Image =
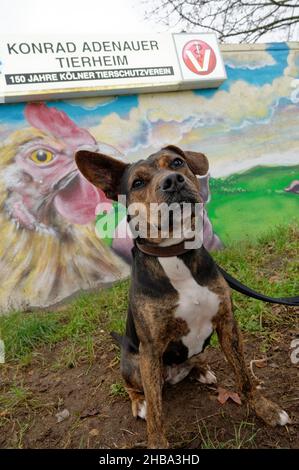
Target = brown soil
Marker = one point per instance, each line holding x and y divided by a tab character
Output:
194	418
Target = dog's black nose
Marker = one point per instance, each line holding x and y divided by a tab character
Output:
173	182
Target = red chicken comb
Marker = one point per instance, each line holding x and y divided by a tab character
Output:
57	123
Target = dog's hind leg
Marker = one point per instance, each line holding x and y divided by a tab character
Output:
231	343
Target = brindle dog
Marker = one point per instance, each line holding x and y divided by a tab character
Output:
177	297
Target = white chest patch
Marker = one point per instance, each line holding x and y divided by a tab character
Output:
197	304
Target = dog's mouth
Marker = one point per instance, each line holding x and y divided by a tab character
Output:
182	215
185	195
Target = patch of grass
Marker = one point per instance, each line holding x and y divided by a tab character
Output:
243	436
118	390
75	351
24	332
18	396
214	342
270	266
14	397
21	429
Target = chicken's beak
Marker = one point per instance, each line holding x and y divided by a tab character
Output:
65	181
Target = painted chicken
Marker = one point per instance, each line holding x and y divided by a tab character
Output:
49	248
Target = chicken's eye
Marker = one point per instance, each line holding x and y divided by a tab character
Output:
42	156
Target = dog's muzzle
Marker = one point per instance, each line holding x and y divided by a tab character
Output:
175	189
172	183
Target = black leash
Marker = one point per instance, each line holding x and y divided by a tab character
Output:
179	249
239	287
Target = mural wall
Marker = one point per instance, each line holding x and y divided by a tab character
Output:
248	128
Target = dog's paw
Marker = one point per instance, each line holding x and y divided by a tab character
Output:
207	378
284	418
142	408
176	373
139	408
270	412
156	442
205	375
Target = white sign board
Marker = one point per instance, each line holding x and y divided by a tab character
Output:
38	67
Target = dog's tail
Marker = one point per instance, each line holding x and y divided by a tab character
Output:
124	342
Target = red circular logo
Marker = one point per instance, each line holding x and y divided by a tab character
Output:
199	57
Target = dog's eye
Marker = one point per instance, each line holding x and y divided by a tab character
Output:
138	183
177	162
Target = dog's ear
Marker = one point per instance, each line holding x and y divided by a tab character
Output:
199	165
102	171
197	162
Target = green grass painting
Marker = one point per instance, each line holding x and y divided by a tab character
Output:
246	205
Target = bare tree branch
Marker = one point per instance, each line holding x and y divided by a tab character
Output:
241	20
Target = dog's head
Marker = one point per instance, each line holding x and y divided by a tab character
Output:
168	177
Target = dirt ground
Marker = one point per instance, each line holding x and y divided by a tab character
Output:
100	416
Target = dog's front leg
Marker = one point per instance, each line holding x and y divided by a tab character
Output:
152	380
232	346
